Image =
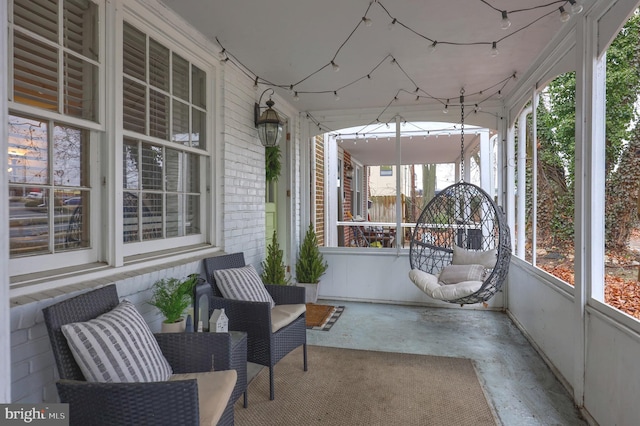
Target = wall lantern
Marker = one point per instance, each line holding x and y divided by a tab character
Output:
348	171
268	124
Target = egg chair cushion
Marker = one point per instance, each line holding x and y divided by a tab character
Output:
429	284
454	274
472	257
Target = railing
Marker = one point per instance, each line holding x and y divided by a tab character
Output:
383	234
374	234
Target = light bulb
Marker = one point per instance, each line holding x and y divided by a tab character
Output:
499	94
335	66
291	91
506	23
335	95
433	46
494	49
417	98
296	97
576	7
564	16
392	24
367	21
446	107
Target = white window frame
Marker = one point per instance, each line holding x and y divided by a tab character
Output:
32	264
134	250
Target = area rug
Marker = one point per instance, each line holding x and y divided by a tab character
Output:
322	317
356	387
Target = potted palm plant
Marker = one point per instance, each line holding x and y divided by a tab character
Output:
172	297
310	265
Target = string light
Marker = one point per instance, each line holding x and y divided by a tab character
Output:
506	23
446	107
296	97
564	16
494	49
335	95
576	7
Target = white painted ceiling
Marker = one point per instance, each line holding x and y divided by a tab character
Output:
287	42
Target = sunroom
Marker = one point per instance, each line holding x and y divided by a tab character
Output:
132	154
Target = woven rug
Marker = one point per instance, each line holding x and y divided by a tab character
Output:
322	317
355	387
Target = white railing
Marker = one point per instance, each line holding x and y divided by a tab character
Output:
374	234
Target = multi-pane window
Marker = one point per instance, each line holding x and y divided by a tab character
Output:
48	186
53	101
164	118
55	56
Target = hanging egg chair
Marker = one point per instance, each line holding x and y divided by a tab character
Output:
460	249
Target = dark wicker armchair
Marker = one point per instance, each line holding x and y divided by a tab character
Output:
150	403
264	347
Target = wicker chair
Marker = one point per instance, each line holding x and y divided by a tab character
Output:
150	403
264	347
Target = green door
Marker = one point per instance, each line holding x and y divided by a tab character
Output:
271	217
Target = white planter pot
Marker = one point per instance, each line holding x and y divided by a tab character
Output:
174	327
311	292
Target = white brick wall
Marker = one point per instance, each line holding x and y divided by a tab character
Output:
244	179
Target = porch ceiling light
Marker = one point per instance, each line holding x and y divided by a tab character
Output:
268	123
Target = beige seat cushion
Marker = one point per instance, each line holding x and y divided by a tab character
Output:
283	315
214	391
429	284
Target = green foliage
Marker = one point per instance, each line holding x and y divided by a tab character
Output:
172	296
310	264
556	140
272	164
273	269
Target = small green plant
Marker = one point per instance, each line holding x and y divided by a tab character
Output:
310	264
172	296
273	269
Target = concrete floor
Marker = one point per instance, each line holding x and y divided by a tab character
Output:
519	385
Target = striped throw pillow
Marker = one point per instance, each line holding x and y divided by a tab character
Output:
242	283
117	347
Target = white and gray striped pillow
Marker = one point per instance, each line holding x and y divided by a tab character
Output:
117	347
242	283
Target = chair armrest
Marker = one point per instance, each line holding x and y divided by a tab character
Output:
112	404
254	318
286	294
193	352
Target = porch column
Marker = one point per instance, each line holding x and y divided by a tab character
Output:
486	164
5	332
522	178
511	181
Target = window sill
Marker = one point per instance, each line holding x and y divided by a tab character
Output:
45	285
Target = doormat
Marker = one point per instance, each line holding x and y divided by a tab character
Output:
322	317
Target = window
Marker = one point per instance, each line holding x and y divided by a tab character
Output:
164	119
55	56
47	186
54	117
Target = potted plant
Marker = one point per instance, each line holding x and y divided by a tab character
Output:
273	269
172	297
310	265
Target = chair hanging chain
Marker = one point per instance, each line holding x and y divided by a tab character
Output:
462	135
